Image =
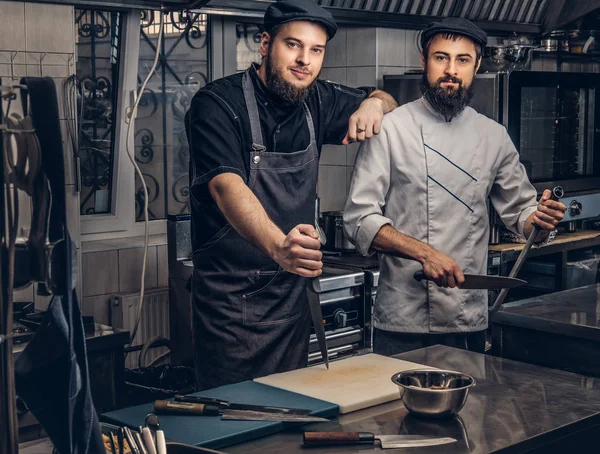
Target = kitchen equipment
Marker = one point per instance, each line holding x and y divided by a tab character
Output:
433	393
477	281
148	441
317	319
345	311
507	57
158	435
189	408
368	438
333	224
223	404
557	193
549	45
352	383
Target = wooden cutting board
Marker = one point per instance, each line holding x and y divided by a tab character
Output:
353	384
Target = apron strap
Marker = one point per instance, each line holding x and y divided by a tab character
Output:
309	121
249	95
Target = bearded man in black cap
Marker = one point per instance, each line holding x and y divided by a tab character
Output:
418	196
255	140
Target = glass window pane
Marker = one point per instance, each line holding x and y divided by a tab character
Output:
161	148
556	132
97	67
248	44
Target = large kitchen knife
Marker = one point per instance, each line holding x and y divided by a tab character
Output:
317	317
166	407
367	438
223	404
478	281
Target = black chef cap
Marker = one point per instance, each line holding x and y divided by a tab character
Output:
285	11
454	25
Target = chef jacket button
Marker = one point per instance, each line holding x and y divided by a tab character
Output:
256	159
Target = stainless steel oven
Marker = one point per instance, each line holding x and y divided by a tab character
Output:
553	120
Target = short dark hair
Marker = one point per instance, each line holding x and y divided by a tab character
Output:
453	37
276	31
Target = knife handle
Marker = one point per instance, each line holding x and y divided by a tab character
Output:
166	407
337	438
419	275
201	400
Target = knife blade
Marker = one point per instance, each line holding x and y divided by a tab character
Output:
246	415
193	409
317	318
368	438
223	404
479	281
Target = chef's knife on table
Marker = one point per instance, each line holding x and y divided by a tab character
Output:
479	281
368	438
190	408
223	404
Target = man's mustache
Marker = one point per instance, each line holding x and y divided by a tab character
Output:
454	80
301	70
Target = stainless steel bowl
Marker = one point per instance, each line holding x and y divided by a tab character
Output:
433	393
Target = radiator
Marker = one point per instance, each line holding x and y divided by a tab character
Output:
154	321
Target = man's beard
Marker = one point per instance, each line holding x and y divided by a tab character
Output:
282	88
447	102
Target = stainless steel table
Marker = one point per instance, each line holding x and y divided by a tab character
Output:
514	408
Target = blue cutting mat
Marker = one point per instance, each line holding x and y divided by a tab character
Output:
210	431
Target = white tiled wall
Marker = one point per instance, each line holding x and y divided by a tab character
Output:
359	56
28	31
113	266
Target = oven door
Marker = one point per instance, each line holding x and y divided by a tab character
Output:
552	121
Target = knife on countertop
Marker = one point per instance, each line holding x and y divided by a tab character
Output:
223	404
195	409
368	438
480	281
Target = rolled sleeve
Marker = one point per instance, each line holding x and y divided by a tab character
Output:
339	103
524	215
364	214
512	195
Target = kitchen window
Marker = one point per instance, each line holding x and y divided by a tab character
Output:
97	69
161	146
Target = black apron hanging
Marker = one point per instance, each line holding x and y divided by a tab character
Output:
51	375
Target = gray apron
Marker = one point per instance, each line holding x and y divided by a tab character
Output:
250	318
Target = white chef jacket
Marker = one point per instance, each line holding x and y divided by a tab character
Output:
430	179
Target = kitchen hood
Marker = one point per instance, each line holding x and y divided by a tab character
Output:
494	16
497	17
137	4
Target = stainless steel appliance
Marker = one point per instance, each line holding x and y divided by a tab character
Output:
369	266
333	225
553	119
346	313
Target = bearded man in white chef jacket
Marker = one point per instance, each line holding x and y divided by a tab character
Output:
418	197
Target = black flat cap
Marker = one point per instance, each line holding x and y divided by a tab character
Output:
285	11
455	25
